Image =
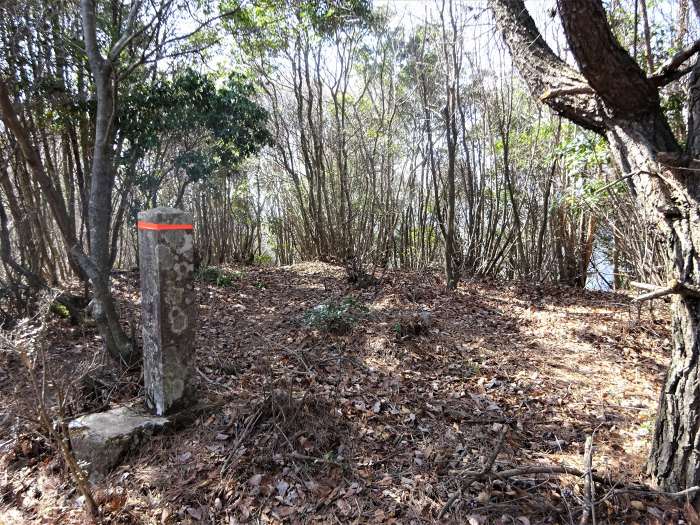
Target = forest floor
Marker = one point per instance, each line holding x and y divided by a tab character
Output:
379	420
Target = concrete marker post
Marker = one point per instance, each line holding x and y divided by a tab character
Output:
168	304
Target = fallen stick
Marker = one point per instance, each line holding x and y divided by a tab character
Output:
659	292
502	421
673	287
486	473
472	476
304	457
589	486
249	424
645	286
673	495
552	469
562	469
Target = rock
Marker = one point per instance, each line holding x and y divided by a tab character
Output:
101	440
638	505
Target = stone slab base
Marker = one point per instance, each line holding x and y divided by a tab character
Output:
102	439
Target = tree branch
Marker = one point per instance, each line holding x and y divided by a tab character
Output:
548	76
662	80
616	78
673	287
146	57
677	60
129	32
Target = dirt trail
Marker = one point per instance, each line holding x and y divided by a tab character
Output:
376	423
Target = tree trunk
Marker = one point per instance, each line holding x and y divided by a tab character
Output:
661	177
673	462
98	266
670	200
452	67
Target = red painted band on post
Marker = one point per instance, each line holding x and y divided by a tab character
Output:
155	226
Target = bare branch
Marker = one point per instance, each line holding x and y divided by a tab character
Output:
129	33
677	60
673	287
146	57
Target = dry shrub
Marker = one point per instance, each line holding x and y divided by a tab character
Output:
311	424
357	275
413	325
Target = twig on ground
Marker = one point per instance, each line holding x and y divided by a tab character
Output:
472	476
659	493
589	487
524	495
297	455
487	473
249	424
502	421
563	469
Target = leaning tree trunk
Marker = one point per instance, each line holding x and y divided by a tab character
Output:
613	97
675	456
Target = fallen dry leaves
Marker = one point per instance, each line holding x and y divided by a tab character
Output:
377	425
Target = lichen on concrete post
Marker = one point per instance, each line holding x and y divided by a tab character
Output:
166	262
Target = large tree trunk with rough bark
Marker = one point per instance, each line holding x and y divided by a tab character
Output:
673	462
612	96
672	203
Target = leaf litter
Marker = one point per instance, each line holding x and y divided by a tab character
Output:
381	422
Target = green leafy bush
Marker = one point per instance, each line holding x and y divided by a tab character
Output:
337	317
61	310
218	276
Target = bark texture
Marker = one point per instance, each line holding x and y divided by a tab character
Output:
613	97
98	266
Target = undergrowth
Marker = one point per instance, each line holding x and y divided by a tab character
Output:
335	316
218	276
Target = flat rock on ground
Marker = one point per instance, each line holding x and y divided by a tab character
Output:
102	439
